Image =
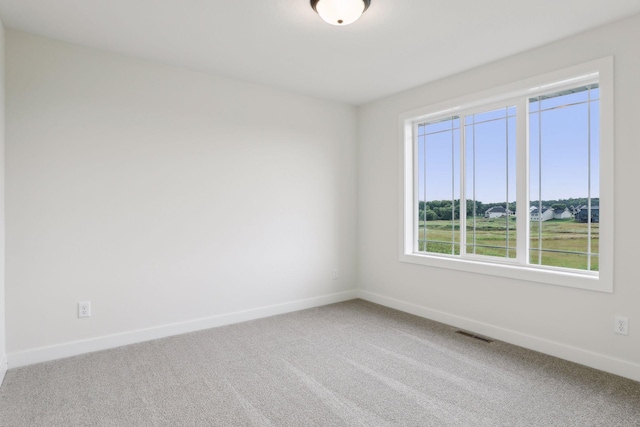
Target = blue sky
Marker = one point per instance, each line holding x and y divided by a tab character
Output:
565	156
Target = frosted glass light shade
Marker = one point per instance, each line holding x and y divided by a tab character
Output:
340	12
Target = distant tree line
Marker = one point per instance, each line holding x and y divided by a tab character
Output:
566	203
443	209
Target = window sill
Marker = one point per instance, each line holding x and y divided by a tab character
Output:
587	280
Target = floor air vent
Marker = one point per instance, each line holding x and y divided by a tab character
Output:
478	337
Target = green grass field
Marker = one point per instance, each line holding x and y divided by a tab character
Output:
564	235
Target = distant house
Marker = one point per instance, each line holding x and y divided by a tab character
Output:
497	212
547	213
583	214
562	214
574	210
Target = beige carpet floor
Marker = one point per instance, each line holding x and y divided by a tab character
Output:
347	364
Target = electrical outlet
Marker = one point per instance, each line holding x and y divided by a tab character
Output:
334	274
621	325
84	309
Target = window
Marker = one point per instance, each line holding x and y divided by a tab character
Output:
564	186
515	182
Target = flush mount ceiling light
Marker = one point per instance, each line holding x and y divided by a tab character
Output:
340	12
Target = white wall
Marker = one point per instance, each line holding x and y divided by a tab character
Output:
164	195
571	323
3	353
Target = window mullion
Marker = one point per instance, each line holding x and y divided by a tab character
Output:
589	179
506	159
522	181
415	146
453	188
472	178
463	194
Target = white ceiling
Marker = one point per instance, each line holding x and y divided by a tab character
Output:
396	45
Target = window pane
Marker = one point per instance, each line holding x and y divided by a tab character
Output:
567	97
490	183
534	104
563	158
490	115
565	260
595	176
442	125
439	187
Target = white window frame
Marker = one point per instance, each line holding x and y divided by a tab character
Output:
518	93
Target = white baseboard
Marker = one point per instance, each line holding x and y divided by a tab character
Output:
59	351
574	354
3	368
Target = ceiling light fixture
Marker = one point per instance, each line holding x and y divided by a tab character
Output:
340	12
